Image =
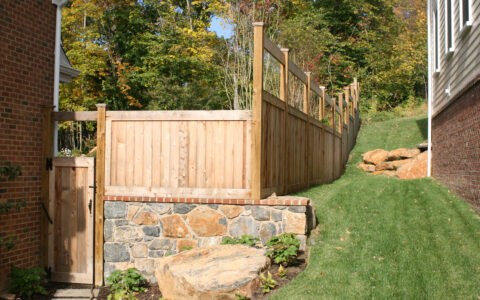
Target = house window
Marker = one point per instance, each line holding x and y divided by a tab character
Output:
435	40
448	26
465	13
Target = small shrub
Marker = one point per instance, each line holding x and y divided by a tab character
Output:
26	282
186	248
241	297
282	273
124	284
283	248
244	240
268	283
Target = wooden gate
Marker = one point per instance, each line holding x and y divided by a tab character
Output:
71	207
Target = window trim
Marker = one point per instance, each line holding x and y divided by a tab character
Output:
449	32
436	39
468	24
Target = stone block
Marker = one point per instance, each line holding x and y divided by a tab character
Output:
231	211
162	244
139	250
276	215
261	213
267	231
174	226
243	225
151	230
205	221
183	208
146	218
145	265
298	209
115	210
116	252
204	242
186	243
127	234
294	223
156	253
108	230
132	211
161	208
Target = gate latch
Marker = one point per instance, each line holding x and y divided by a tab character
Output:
90	205
48	164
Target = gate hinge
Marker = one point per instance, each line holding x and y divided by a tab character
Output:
49	164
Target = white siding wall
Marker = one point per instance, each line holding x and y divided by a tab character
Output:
464	65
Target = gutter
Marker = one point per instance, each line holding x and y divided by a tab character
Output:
430	90
56	78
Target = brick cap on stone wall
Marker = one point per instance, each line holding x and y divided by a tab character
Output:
272	200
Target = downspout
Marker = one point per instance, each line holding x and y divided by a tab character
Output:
430	90
56	76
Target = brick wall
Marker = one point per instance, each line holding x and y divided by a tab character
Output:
27	42
456	145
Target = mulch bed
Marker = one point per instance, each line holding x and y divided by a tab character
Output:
153	293
292	271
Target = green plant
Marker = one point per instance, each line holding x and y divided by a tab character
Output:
244	240
241	297
186	248
268	283
282	272
26	282
283	248
124	283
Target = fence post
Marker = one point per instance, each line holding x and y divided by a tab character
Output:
257	139
100	191
47	152
340	104
284	96
347	116
322	116
306	108
334	136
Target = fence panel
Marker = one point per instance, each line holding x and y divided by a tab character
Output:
154	154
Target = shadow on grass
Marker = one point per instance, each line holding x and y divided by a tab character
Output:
423	127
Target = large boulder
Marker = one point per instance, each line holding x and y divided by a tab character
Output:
402	153
216	272
375	156
417	168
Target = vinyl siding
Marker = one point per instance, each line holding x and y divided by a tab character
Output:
463	65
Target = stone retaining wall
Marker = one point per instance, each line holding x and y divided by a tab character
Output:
138	233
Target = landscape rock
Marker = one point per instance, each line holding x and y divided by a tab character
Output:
174	226
375	156
205	221
367	167
231	211
417	168
146	218
398	163
386	165
217	272
402	153
423	146
186	243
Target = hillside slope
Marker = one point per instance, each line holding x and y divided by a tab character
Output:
384	238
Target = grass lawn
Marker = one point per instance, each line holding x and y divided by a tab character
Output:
383	238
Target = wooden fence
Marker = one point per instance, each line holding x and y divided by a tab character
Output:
249	154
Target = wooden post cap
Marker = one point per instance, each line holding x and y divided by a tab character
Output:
101	105
257	24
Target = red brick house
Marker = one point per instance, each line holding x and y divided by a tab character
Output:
27	76
454	100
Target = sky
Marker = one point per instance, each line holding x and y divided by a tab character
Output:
223	30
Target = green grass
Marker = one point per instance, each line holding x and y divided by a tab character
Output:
383	238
